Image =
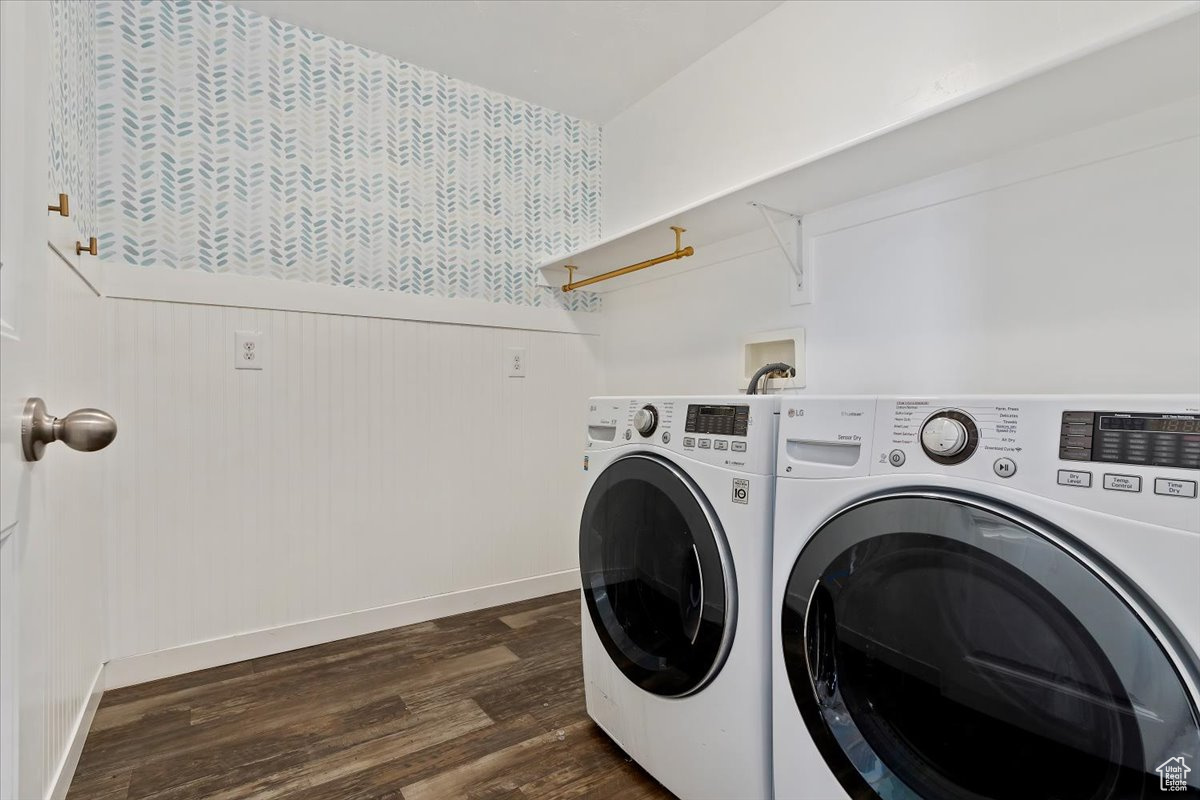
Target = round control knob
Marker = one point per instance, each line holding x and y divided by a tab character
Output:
949	436
943	436
646	420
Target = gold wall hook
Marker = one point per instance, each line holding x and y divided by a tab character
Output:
92	248
63	207
680	252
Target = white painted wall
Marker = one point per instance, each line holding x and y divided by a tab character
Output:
811	77
1071	266
372	463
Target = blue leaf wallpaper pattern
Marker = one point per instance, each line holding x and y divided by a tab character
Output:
72	110
231	142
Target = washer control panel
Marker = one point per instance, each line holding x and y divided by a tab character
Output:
737	433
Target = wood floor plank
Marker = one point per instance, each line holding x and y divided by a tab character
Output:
487	704
568	609
386	779
509	768
427	731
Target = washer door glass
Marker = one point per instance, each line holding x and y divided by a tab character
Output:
656	575
939	646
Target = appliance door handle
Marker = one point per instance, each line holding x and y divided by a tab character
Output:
819	636
700	578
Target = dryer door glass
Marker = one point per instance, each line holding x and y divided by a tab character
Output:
656	577
940	646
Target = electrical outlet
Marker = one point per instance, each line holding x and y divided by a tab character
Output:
248	350
517	362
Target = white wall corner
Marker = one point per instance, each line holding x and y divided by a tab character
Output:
79	733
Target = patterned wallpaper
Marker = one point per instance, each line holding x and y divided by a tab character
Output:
73	108
230	142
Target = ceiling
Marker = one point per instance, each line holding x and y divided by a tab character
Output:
586	58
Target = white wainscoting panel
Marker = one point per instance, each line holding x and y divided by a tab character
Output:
373	462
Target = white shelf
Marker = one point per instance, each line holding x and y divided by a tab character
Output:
1149	70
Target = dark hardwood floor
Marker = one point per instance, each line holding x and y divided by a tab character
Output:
481	705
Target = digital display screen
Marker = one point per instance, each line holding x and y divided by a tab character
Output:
1173	425
1151	425
1113	437
718	420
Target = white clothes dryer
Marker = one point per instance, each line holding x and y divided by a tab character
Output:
987	597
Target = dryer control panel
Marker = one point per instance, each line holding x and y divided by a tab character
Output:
1131	437
1134	456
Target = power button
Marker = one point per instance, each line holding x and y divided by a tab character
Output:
896	458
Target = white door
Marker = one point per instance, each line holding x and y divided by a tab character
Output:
51	346
23	125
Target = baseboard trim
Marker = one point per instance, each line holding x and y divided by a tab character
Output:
144	667
83	724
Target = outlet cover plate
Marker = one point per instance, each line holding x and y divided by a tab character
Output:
248	352
517	362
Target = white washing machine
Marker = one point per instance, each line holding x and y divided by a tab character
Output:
675	561
987	597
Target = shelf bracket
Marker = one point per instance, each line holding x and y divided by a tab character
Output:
791	249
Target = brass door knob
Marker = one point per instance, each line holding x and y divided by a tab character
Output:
63	208
87	429
91	249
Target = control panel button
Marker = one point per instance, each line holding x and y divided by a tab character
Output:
739	447
896	458
689	441
1173	488
1122	483
628	434
666	437
1004	467
1069	477
720	444
705	444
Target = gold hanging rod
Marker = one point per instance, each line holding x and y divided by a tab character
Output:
680	252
